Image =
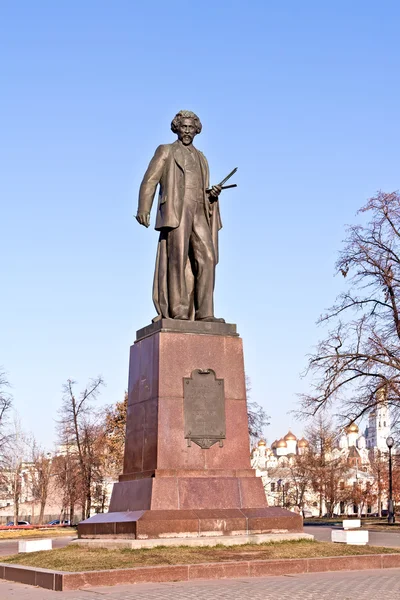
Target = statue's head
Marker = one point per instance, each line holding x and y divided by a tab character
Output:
186	125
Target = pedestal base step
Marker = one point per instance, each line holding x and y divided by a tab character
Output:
156	524
226	540
355	537
35	545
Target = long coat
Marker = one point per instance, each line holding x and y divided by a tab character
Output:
167	168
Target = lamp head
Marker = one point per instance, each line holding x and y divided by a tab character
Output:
390	442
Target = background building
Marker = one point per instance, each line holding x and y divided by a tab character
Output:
340	473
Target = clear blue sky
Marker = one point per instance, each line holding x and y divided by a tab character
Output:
302	96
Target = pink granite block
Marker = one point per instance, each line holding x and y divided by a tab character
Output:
166	523
132	495
225	522
235	451
264	568
219	570
165	494
143	370
173	450
213	492
252	492
180	354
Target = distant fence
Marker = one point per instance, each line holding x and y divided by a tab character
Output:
34	520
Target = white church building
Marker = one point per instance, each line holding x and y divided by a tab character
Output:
275	464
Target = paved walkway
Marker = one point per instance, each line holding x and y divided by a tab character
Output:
358	585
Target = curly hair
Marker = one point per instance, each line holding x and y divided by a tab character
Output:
185	114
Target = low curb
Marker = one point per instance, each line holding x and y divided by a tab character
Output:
63	581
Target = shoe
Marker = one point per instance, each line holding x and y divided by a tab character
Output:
211	320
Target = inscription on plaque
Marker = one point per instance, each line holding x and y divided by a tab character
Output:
204	408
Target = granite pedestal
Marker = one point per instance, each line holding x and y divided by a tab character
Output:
187	462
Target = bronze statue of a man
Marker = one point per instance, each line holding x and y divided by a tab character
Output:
188	221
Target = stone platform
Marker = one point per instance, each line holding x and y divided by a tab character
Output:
187	466
155	524
198	542
196	327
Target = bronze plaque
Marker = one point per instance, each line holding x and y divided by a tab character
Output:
204	408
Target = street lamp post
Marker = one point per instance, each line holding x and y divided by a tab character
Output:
391	519
282	486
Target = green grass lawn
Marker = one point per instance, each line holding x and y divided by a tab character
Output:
77	558
17	534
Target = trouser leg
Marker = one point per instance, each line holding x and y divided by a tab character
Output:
178	249
204	257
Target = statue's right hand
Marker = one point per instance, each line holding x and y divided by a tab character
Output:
143	218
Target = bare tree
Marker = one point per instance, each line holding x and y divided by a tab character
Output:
256	415
396	479
115	425
14	453
357	366
79	433
326	470
5	407
298	481
379	471
68	478
360	494
40	474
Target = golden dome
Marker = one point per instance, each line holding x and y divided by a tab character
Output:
290	436
302	443
281	444
273	445
352	428
262	443
381	394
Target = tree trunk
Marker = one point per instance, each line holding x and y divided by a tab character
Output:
42	508
379	496
88	504
16	496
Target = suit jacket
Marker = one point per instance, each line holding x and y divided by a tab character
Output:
167	168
